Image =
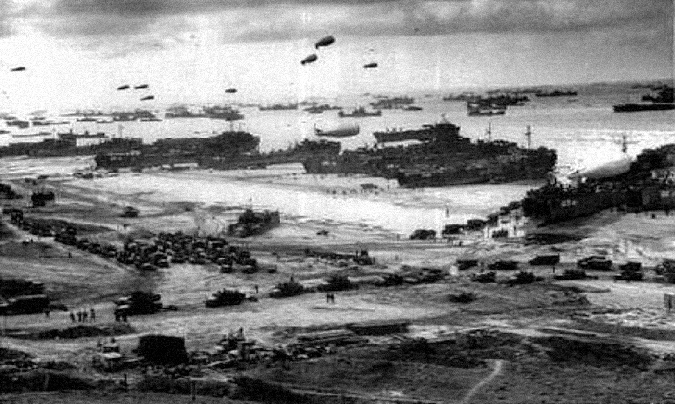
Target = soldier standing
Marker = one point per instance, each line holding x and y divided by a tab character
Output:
72	317
92	313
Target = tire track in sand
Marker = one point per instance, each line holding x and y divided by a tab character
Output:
499	364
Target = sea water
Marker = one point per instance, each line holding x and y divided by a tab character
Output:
583	130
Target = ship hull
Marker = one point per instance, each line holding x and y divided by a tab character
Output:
643	107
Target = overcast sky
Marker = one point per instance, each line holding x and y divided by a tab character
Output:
77	52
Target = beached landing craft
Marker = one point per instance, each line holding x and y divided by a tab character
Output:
444	158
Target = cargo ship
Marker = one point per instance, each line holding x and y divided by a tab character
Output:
223	112
128	116
18	123
556	93
70	144
182	112
465	96
392	103
226	151
428	132
171	151
319	109
665	95
484	109
278	107
443	158
359	112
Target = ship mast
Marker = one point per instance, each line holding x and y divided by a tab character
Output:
528	135
625	142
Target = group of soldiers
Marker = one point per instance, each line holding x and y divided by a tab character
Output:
83	316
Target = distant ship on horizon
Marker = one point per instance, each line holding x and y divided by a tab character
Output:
278	107
557	93
359	112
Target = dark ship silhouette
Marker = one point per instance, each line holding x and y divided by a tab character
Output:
444	158
663	101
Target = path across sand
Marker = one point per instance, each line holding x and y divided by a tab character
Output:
496	371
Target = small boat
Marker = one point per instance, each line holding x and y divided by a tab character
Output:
478	109
339	132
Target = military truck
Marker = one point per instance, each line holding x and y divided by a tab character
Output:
25	304
484	277
252	223
287	289
595	262
503	265
225	297
108	358
162	349
130	211
630	271
545	260
138	303
423	234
